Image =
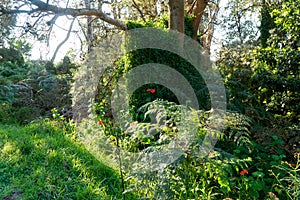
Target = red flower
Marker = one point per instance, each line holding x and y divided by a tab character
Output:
100	122
292	165
151	90
243	172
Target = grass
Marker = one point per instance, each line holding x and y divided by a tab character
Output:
49	160
41	161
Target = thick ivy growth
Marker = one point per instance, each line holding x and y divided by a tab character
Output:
139	57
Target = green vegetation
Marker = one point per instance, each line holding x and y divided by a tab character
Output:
44	161
256	155
239	167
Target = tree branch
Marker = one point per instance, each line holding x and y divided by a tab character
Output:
3	11
44	7
139	10
196	8
64	41
78	12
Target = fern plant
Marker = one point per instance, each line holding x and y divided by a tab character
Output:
191	175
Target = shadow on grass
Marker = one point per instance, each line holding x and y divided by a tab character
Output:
40	162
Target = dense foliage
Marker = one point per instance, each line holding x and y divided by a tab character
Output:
29	90
44	155
143	56
277	66
263	81
256	155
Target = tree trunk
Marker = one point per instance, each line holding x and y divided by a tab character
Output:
196	8
176	15
209	33
89	32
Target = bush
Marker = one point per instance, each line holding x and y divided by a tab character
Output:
35	88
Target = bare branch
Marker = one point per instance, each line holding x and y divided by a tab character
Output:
51	23
44	7
139	10
3	11
78	12
82	28
64	41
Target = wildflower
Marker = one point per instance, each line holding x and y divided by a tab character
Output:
100	122
243	172
151	90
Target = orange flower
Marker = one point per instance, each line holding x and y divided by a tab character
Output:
100	122
243	172
151	90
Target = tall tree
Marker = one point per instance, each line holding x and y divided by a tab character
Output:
37	9
207	25
176	15
90	14
241	24
196	8
39	18
278	66
146	9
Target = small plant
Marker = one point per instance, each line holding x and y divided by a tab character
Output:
287	176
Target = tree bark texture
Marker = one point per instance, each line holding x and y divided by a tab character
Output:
176	15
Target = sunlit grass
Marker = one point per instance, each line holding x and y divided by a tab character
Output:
40	161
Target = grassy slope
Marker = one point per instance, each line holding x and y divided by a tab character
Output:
41	162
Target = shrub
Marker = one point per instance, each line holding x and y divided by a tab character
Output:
35	88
